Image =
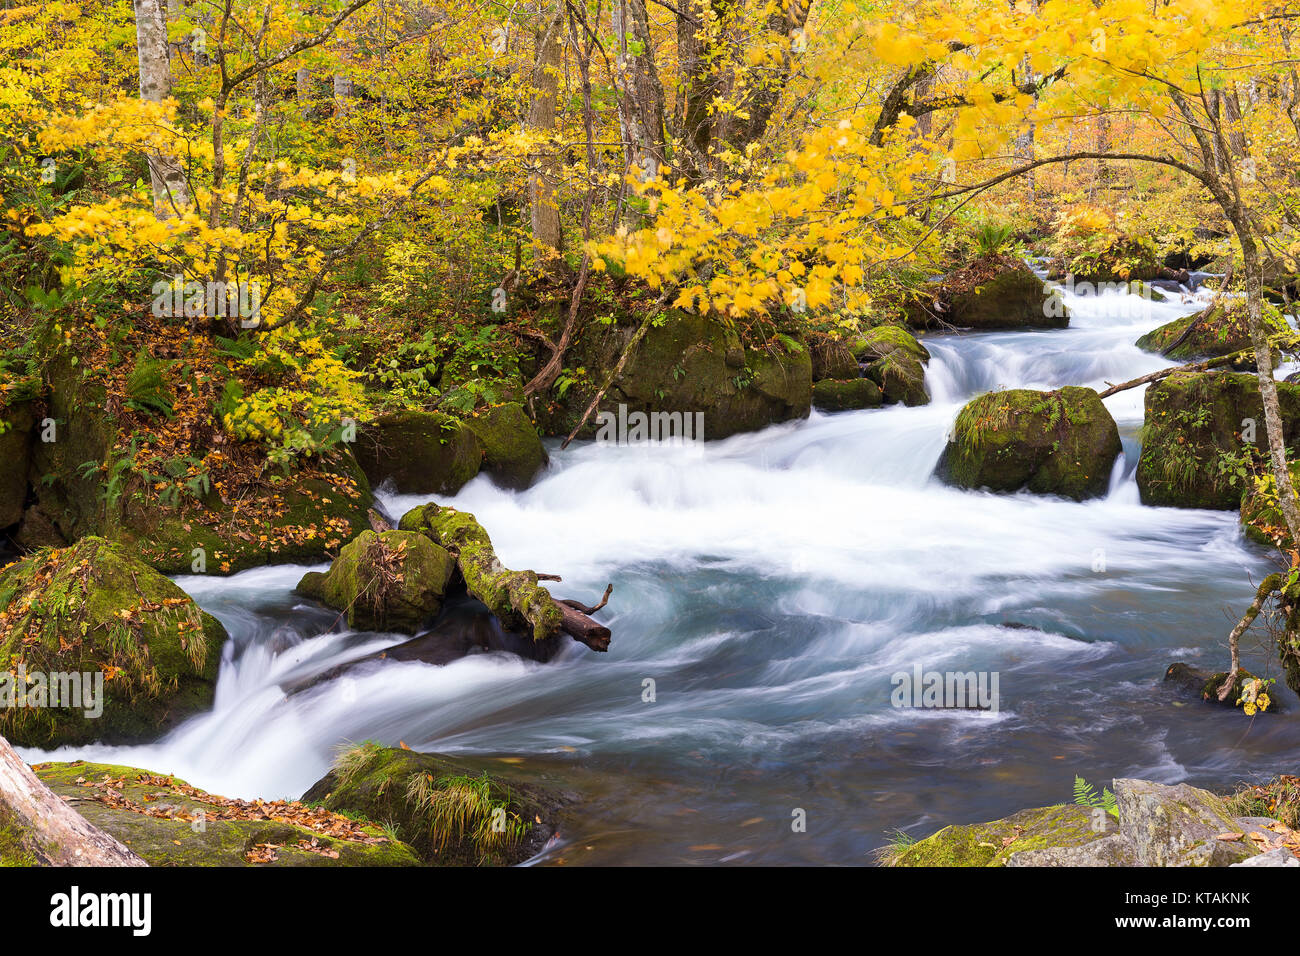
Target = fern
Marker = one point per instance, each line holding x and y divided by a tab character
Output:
1086	796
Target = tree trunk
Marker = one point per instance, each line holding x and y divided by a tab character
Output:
641	97
171	193
542	196
48	829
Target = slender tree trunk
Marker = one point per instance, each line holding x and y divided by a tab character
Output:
641	97
171	193
542	191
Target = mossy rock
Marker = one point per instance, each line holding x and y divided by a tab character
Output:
513	454
286	518
17	423
167	822
832	358
1063	442
1014	298
991	844
686	363
1218	330
93	608
445	809
838	396
515	597
424	453
895	361
1192	421
1261	517
1204	685
392	581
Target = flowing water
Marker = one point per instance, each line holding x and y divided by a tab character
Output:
770	585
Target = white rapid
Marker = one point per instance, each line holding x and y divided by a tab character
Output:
770	585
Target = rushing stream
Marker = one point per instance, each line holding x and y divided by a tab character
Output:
770	585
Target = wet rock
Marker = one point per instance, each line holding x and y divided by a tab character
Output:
838	396
93	609
392	581
1204	685
891	357
419	452
1192	419
1217	330
991	293
512	453
16	431
1280	856
1063	442
831	359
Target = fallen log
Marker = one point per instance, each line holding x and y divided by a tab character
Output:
48	830
515	597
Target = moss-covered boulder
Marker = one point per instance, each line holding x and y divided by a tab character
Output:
1219	329
832	358
830	395
993	843
168	822
421	453
86	484
453	813
1063	442
893	359
1178	825
515	597
1194	436
95	611
993	292
685	363
512	453
16	431
391	581
1203	685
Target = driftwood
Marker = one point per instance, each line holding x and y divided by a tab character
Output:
577	623
50	830
1166	372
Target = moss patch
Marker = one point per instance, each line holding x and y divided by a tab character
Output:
990	844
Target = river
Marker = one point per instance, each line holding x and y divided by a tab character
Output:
769	585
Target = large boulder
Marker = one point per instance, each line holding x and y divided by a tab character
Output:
16	427
685	363
1219	329
995	292
453	813
229	524
832	358
1195	423
994	843
421	453
390	581
891	357
1062	442
1178	825
95	611
168	822
512	453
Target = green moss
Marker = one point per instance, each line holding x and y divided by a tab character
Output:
513	454
394	581
420	452
15	841
515	597
445	810
1013	298
158	817
92	608
1062	442
835	396
1219	330
895	361
990	844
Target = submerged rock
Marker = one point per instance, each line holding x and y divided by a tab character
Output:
512	453
1194	422
451	813
94	611
830	395
391	581
167	822
1219	329
892	358
1204	685
421	453
1063	442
